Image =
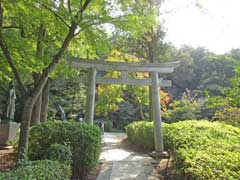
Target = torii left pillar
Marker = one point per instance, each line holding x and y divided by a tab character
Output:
90	96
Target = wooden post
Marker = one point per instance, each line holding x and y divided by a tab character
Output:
155	94
90	96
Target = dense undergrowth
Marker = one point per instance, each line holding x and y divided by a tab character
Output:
200	149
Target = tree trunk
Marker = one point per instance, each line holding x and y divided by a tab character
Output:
45	101
31	96
151	60
24	128
37	109
141	112
28	107
36	112
26	119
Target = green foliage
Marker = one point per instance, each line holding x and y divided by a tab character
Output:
94	36
59	152
108	126
201	149
84	141
109	97
140	133
216	102
212	108
68	93
233	93
205	150
5	72
182	110
127	113
200	70
91	42
215	72
40	170
229	115
222	109
184	75
210	105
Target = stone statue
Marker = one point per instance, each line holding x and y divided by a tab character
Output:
11	102
62	113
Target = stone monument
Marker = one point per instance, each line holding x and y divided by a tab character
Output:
11	102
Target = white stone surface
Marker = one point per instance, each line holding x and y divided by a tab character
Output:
121	164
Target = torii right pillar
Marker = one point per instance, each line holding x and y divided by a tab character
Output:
156	106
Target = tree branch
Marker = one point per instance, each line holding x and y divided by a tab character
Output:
65	44
11	27
8	56
83	8
58	16
41	36
55	60
85	5
1	15
85	27
9	59
89	24
69	6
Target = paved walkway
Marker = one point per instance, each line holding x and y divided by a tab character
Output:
121	164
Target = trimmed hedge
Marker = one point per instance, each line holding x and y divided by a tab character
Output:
40	170
84	141
140	133
201	149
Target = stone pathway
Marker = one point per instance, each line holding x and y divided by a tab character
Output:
121	164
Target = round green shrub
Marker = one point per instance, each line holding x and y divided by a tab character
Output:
59	152
40	170
84	141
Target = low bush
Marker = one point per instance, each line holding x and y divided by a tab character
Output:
205	150
140	133
84	141
201	149
40	170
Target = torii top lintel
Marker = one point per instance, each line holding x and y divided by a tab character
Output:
122	66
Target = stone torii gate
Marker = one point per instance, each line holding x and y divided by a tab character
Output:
154	68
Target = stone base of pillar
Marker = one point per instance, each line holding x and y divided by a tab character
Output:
159	155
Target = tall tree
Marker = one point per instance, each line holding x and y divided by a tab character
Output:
29	27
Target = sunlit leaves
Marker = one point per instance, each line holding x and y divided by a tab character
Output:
109	97
27	15
119	56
